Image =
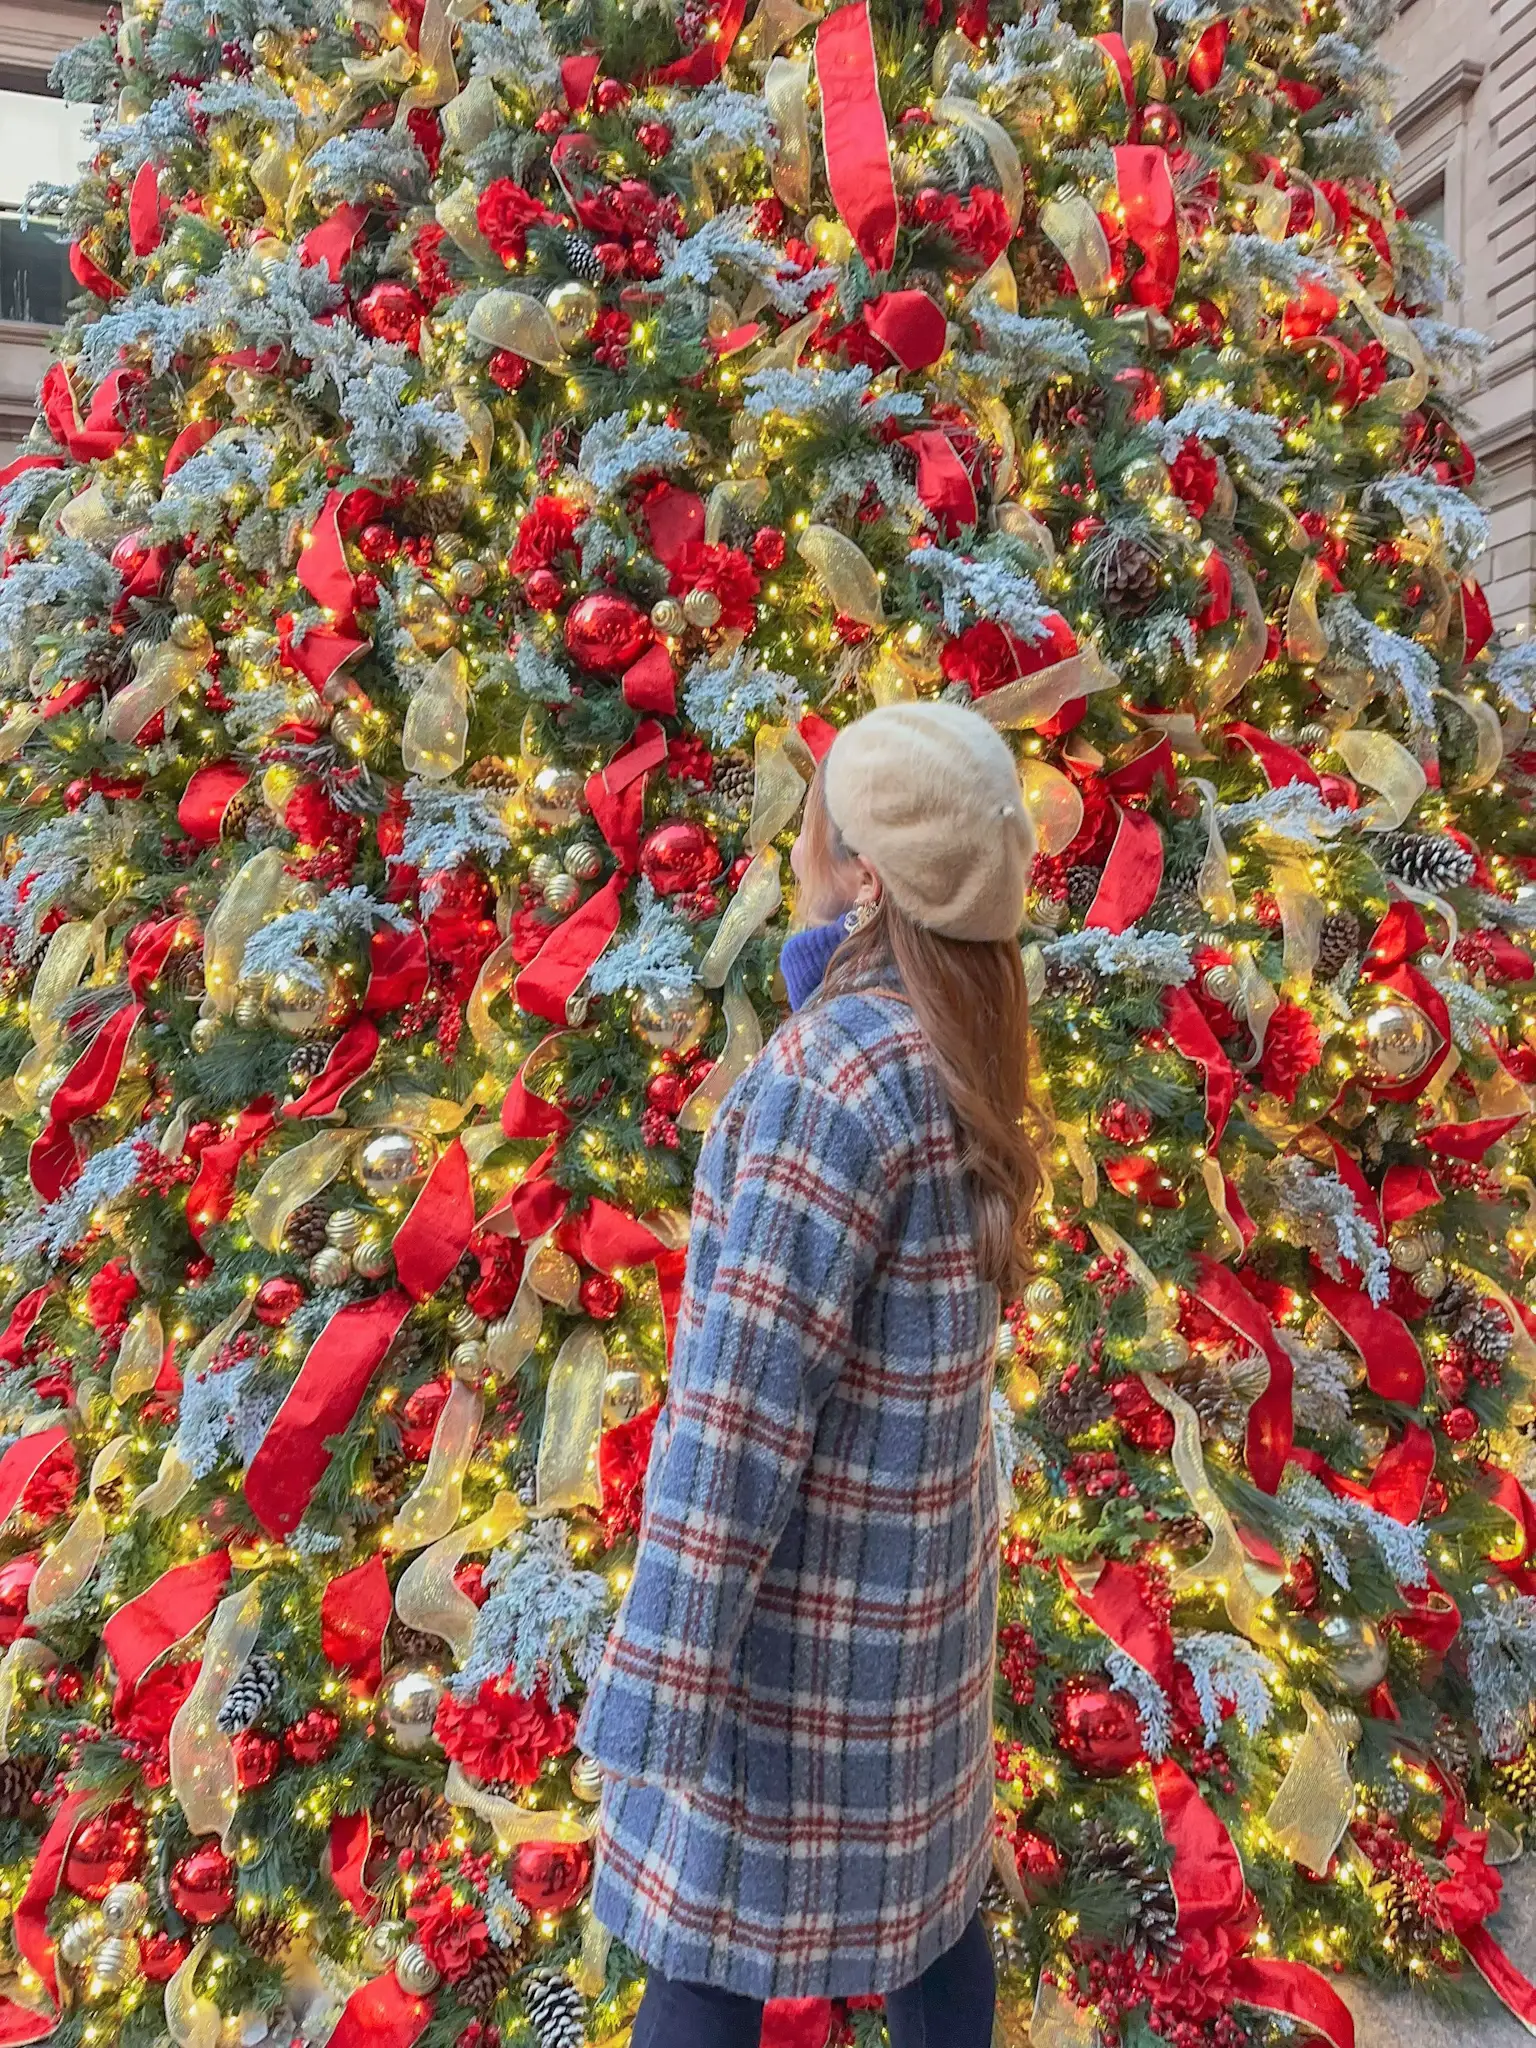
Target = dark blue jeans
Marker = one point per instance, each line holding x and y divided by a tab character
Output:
950	2006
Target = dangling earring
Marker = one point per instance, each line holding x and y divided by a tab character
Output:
856	919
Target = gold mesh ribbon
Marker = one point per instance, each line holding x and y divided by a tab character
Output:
510	1340
1215	1180
742	498
997	286
89	518
844	572
997	142
1075	1143
431	1509
204	1780
297	1177
191	2020
1305	639
1213	885
1057	2023
391	67
567	1475
592	1964
248	901
1387	767
1054	804
1138	26
1399	339
781	768
436	80
272	174
17	730
1034	698
57	978
784	88
1072	226
749	910
169	1487
506	319
162	677
457	217
1301	919
436	729
1308	1815
27	1653
471	116
1236	666
68	1566
428	1597
1259	1001
509	1823
1489	735
784	352
497	970
1244	1586
743	1043
137	1365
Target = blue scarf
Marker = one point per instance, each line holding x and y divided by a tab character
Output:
806	956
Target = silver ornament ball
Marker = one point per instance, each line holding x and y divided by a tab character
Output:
583	860
1396	1041
1355	1652
330	1267
465	1323
384	1941
587	1779
124	1907
668	617
702	608
416	1971
672	1023
542	870
393	1161
562	893
1223	984
372	1259
408	1699
556	797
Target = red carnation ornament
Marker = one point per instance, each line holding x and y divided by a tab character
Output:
606	632
503	1735
987	657
162	1955
1096	1726
678	856
202	1885
311	1740
392	311
257	1759
15	1583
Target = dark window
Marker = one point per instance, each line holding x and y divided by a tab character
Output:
35	282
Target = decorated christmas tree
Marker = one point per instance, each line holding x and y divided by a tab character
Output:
494	448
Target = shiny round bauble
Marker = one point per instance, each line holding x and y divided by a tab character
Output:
203	1034
672	1023
625	1393
347	727
1409	1253
416	1972
668	617
179	282
467	1359
702	608
107	1849
202	1885
384	1941
606	632
16	1576
563	893
583	860
574	307
1146	477
587	1779
392	1161
465	1323
1007	1347
248	1012
298	1008
78	1942
1039	1863
1160	125
425	616
1222	983
1313	735
276	1299
1396	1041
467	578
1431	1280
372	1259
330	1267
1096	1726
680	856
556	797
114	1963
1169	1352
550	1876
343	1228
555	1276
408	1700
188	632
1355	1652
1043	1297
542	870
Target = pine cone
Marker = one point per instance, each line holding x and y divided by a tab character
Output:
304	1232
1036	265
485	1979
1082	887
555	2010
1486	1334
414	1645
252	1692
411	1816
305	1061
1517	1779
581	259
1338	943
1073	1403
1455	1304
1071	978
266	1932
1064	410
19	1779
1426	860
492	773
1107	1858
1129	577
734	778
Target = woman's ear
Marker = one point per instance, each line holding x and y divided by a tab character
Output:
869	890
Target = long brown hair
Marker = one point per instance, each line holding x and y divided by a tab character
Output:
970	1001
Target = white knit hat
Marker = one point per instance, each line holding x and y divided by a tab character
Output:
928	794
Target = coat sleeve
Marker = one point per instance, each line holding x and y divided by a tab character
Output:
807	1219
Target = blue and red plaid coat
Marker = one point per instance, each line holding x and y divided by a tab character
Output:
797	1695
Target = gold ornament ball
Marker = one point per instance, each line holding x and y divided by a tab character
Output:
1396	1041
583	860
249	1011
188	631
392	1161
702	608
1223	984
555	1276
347	727
372	1259
467	578
124	1907
1431	1281
668	617
408	1698
1355	1652
303	1008
384	1941
1409	1253
78	1941
672	1023
587	1779
574	307
1007	1344
203	1033
343	1227
1170	1352
562	893
556	797
330	1267
542	870
416	1971
179	282
624	1395
1043	1297
1146	477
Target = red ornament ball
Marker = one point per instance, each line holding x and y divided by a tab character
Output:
1459	1424
606	632
202	1885
602	1296
1160	125
1452	1381
507	370
391	311
1096	1726
107	1849
768	548
277	1298
1040	1864
15	1583
611	94
549	1876
667	1092
1124	1124
311	1740
257	1759
161	1955
543	589
1301	1584
378	542
655	138
680	856
131	553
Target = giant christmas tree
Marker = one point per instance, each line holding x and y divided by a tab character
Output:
494	447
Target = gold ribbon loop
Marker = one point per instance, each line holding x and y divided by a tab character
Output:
57	978
1305	639
68	1566
428	1597
997	142
1308	1815
297	1177
436	729
1071	225
204	1780
169	1487
162	677
781	768
566	1475
191	2020
247	902
743	1043
785	88
844	572
432	1508
139	1356
754	903
1384	765
512	1824
504	319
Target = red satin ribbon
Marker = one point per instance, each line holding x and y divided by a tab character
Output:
1393	1366
650	684
797	2022
333	241
675	520
1118	60
1208	58
854	137
145	224
1279	764
705	64
577	76
212	1194
943	481
1146	199
616	794
398	970
100	433
351	1057
526	1115
1186	1025
1117	1606
351	1836
22	463
381	2015
33	1942
1472	1140
1476	619
53	1162
21	1465
322	566
319	653
18	1324
1133	874
435	1234
140	1632
354	1613
207	796
1405	1190
1271	1429
186	445
910	325
90	276
292	1457
561	964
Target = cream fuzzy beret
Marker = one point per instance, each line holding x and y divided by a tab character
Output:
928	794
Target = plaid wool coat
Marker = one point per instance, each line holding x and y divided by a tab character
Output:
796	1700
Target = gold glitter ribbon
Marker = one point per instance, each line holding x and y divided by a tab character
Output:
1305	639
509	1823
1387	768
1034	698
1070	223
784	88
68	1566
169	1487
1309	1814
428	1597
1236	666
506	319
191	2020
844	572
139	1356
1054	804
437	82
432	1508
749	910
436	729
781	769
1489	735
998	143
471	116
204	1780
27	1653
1213	885
566	1474
57	978
162	677
497	971
297	1177
457	216
743	1043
